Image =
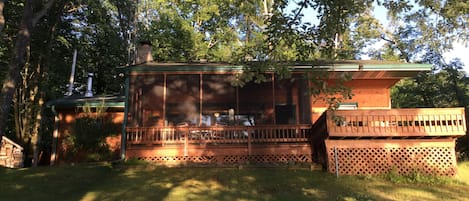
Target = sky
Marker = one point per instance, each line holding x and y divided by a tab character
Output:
459	50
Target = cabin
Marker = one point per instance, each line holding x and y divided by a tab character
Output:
184	113
11	154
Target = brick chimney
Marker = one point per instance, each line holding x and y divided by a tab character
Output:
144	52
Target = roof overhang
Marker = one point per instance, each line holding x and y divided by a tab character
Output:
371	69
360	69
108	101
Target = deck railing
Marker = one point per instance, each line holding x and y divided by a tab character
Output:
218	134
425	122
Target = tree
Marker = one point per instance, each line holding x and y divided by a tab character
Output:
2	18
19	58
38	38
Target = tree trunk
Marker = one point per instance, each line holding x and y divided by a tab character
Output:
2	18
19	57
16	63
35	135
42	82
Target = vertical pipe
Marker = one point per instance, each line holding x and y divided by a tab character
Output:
89	86
336	163
72	74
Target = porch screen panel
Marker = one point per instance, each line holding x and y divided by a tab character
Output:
152	99
134	89
219	96
256	100
145	100
288	95
183	99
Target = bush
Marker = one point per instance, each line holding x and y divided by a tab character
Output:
414	177
88	138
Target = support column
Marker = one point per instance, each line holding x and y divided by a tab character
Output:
201	99
273	99
164	99
126	116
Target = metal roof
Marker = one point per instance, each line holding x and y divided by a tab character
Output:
110	101
359	69
334	66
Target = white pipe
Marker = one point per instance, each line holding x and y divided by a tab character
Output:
72	75
89	87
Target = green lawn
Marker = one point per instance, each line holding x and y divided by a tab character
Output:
148	182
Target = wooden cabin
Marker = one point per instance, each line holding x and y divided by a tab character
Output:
192	113
11	154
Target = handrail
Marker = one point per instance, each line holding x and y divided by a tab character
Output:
423	122
218	134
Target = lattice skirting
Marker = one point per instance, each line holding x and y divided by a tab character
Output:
232	159
371	157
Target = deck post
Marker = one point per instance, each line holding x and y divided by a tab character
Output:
126	116
273	99
164	99
249	142
186	141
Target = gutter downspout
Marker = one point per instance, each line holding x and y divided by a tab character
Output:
124	123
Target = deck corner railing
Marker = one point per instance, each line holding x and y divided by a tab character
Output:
422	122
218	134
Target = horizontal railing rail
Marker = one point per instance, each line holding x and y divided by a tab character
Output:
218	134
397	122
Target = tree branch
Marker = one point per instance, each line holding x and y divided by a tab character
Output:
38	15
298	12
387	39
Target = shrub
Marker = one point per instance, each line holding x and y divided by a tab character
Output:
88	138
414	177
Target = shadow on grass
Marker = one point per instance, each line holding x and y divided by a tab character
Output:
148	182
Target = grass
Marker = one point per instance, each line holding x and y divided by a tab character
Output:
133	181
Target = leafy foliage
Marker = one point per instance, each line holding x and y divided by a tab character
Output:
415	177
257	34
88	138
446	87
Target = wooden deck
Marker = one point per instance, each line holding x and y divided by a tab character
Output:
221	144
425	122
375	141
217	134
349	142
